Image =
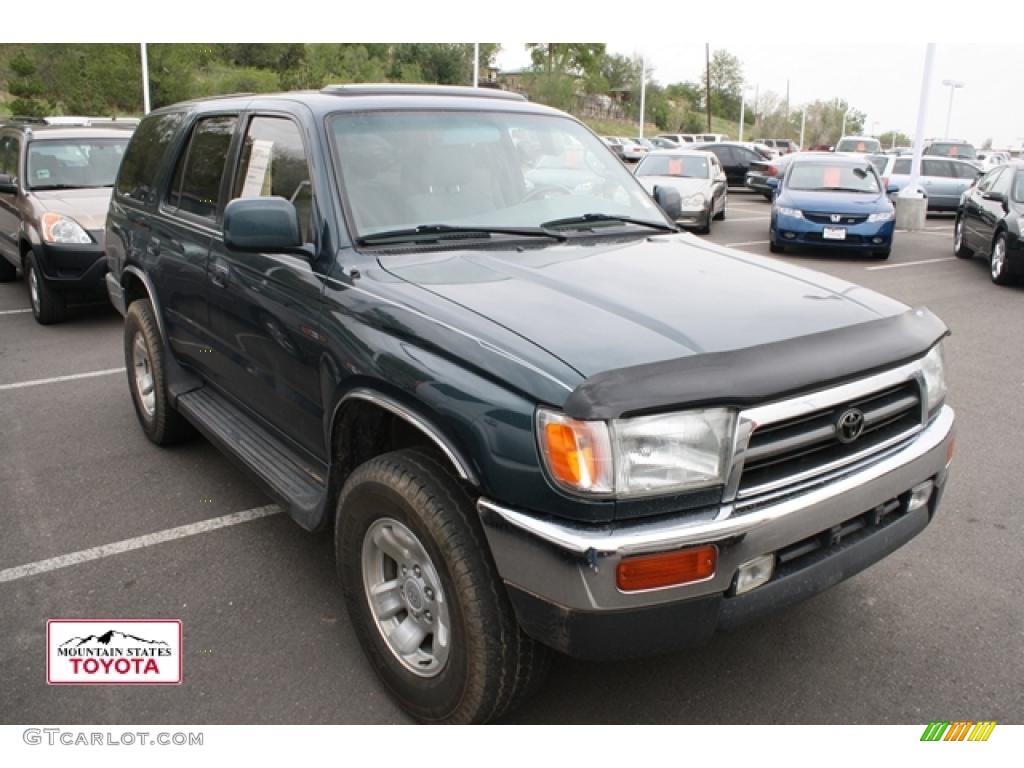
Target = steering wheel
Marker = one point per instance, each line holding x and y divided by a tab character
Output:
540	192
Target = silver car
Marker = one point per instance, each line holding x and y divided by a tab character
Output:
943	179
697	176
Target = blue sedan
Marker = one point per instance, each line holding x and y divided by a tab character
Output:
834	202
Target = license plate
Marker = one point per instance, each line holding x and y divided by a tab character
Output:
834	233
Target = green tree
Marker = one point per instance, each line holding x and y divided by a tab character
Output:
726	85
26	87
578	59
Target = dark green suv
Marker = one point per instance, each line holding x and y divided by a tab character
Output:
451	325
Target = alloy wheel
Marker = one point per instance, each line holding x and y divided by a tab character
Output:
406	598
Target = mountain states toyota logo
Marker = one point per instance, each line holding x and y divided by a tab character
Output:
113	652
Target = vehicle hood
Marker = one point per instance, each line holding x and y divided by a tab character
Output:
835	202
685	186
598	307
86	206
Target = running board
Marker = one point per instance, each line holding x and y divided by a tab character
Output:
298	484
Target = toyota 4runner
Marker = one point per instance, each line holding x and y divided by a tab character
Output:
449	324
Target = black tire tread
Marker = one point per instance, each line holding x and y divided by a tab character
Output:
168	426
52	307
509	665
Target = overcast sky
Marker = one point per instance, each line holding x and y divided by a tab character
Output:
882	80
847	54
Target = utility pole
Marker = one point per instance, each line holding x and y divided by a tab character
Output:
643	91
476	65
743	104
707	70
757	93
787	101
145	80
803	124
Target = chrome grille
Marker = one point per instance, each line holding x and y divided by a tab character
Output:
804	446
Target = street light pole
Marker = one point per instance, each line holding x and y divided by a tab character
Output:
803	124
953	85
643	92
743	105
145	80
476	65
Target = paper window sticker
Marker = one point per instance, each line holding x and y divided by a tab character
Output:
675	167
43	173
833	177
257	177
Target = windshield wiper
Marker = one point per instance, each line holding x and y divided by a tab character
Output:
45	187
842	189
589	218
435	232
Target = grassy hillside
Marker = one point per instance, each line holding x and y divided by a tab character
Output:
629	128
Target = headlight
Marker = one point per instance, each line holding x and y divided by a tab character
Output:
61	229
933	366
796	213
666	453
883	216
695	200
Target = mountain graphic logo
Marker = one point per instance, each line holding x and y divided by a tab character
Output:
108	638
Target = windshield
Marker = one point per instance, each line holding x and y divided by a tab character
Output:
686	167
879	161
864	146
824	177
949	149
74	163
403	170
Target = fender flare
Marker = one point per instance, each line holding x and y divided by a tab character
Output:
410	416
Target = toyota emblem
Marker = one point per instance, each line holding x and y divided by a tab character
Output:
849	426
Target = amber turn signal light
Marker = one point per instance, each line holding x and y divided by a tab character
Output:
666	569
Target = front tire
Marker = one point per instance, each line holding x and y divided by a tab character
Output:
997	261
960	249
721	213
424	596
48	306
147	379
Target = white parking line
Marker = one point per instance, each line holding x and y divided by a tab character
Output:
912	263
14	311
107	550
56	379
752	242
749	218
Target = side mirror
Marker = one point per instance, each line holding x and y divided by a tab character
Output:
722	176
7	184
265	224
669	200
997	197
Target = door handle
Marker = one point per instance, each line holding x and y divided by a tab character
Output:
219	274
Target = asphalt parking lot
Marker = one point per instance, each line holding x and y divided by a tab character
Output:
932	633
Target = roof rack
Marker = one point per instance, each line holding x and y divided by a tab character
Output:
404	89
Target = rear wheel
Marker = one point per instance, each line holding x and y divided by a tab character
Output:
48	306
144	359
960	249
424	597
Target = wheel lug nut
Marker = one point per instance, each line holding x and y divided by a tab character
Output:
416	570
427	616
429	593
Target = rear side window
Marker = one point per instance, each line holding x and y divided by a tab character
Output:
136	178
901	167
937	168
965	171
196	186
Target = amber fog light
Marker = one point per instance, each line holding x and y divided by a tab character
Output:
753	573
666	569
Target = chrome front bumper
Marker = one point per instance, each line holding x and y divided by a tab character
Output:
574	565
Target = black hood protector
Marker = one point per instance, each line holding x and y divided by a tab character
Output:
755	375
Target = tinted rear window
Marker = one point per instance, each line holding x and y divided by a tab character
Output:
136	179
902	167
859	145
950	149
